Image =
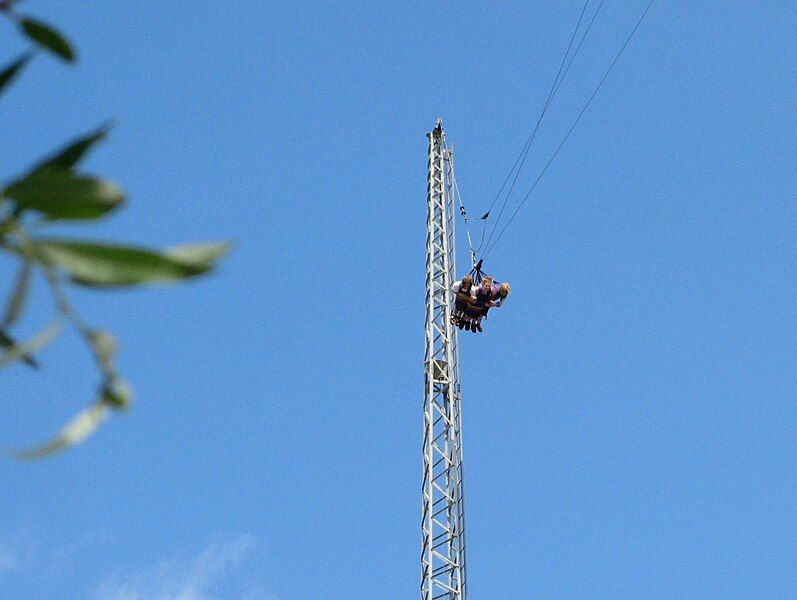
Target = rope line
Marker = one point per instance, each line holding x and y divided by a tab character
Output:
584	37
572	127
521	159
452	176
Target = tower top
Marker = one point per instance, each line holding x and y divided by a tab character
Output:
437	132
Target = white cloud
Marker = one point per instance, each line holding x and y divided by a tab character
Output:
9	559
198	578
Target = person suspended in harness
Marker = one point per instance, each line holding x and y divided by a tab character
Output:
463	295
486	296
469	302
498	293
483	297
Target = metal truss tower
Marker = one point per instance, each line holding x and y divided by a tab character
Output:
443	554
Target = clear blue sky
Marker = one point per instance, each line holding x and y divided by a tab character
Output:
629	414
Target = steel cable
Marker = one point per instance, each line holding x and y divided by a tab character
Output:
572	127
521	159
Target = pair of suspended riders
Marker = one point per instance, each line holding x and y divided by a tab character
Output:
472	301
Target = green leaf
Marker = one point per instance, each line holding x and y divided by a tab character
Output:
48	37
6	341
69	156
98	264
76	431
16	303
62	194
197	254
8	74
117	394
20	350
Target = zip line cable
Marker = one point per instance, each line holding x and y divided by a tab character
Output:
572	127
524	150
584	37
484	230
557	84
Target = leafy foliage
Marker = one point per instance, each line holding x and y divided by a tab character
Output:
47	37
8	74
63	194
97	264
55	190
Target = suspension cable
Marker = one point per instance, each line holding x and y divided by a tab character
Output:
452	177
557	85
572	127
521	159
584	37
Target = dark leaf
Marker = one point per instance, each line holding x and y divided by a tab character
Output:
71	155
62	194
11	71
77	430
16	303
6	341
20	350
117	394
48	37
98	264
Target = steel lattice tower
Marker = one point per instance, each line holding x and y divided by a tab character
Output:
443	554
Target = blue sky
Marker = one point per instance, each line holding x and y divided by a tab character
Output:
629	415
